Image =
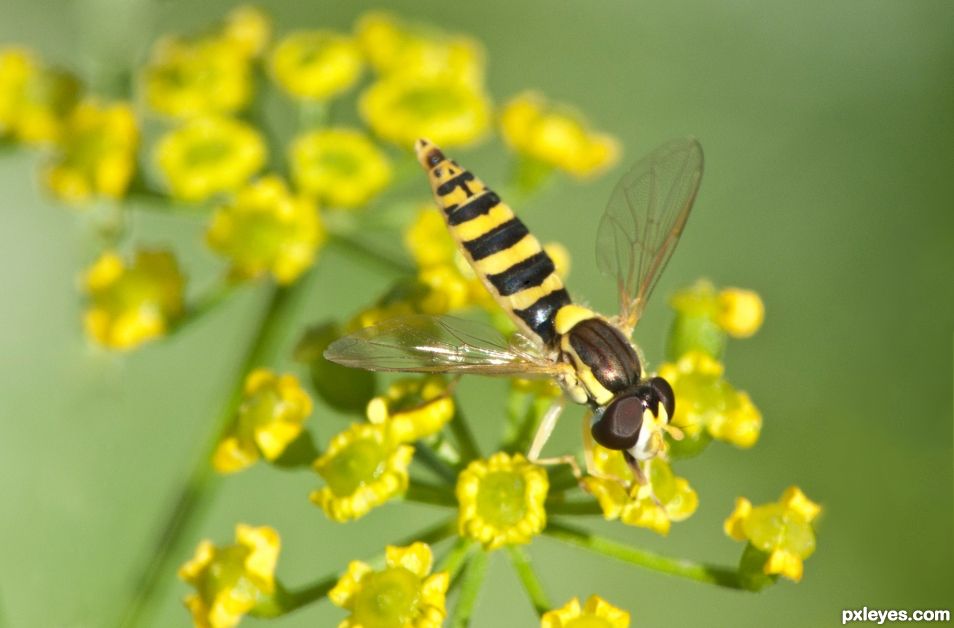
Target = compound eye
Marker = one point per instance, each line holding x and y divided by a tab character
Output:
665	395
435	157
619	426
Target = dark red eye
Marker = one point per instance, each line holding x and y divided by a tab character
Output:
619	426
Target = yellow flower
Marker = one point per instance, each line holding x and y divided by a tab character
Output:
655	505
266	229
782	530
230	581
413	408
190	78
341	167
401	109
556	136
741	312
132	303
270	417
208	155
97	153
363	468
34	100
403	594
597	613
706	401
501	500
248	28
394	47
316	64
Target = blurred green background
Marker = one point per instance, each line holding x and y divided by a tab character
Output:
829	137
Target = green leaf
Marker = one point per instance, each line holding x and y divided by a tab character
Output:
342	388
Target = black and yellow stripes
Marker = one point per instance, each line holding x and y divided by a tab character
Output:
511	262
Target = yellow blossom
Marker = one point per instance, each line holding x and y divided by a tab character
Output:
557	136
363	468
501	500
413	408
132	303
34	100
248	29
707	402
270	417
190	78
401	109
209	155
395	47
316	64
230	581
266	229
340	167
741	312
782	530
97	153
403	594
654	505
597	613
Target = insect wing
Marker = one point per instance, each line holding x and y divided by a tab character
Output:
643	221
439	344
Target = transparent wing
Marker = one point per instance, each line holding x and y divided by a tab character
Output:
439	344
643	221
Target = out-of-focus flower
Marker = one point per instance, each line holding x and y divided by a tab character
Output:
316	64
413	408
401	109
208	155
741	312
96	155
270	417
404	593
501	500
597	613
340	167
230	581
132	303
654	505
363	468
248	29
557	136
266	229
34	100
191	78
395	47
782	530
708	402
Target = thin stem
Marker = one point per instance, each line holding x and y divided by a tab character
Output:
708	574
464	436
424	493
208	302
456	558
356	248
473	579
528	577
426	456
573	507
196	491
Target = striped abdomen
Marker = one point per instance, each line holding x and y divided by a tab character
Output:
511	262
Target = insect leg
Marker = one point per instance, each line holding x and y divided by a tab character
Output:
545	429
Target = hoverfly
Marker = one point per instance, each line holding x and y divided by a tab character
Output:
591	356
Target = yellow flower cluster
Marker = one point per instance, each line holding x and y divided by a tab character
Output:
405	593
596	613
501	500
316	65
270	417
556	136
34	99
266	229
737	312
96	153
248	29
363	468
782	530
230	581
413	408
340	167
132	303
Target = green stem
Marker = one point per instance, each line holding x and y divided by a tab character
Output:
195	493
464	436
207	302
682	568
528	577
381	259
426	456
471	583
456	558
573	507
424	493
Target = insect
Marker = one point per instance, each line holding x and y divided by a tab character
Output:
591	356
